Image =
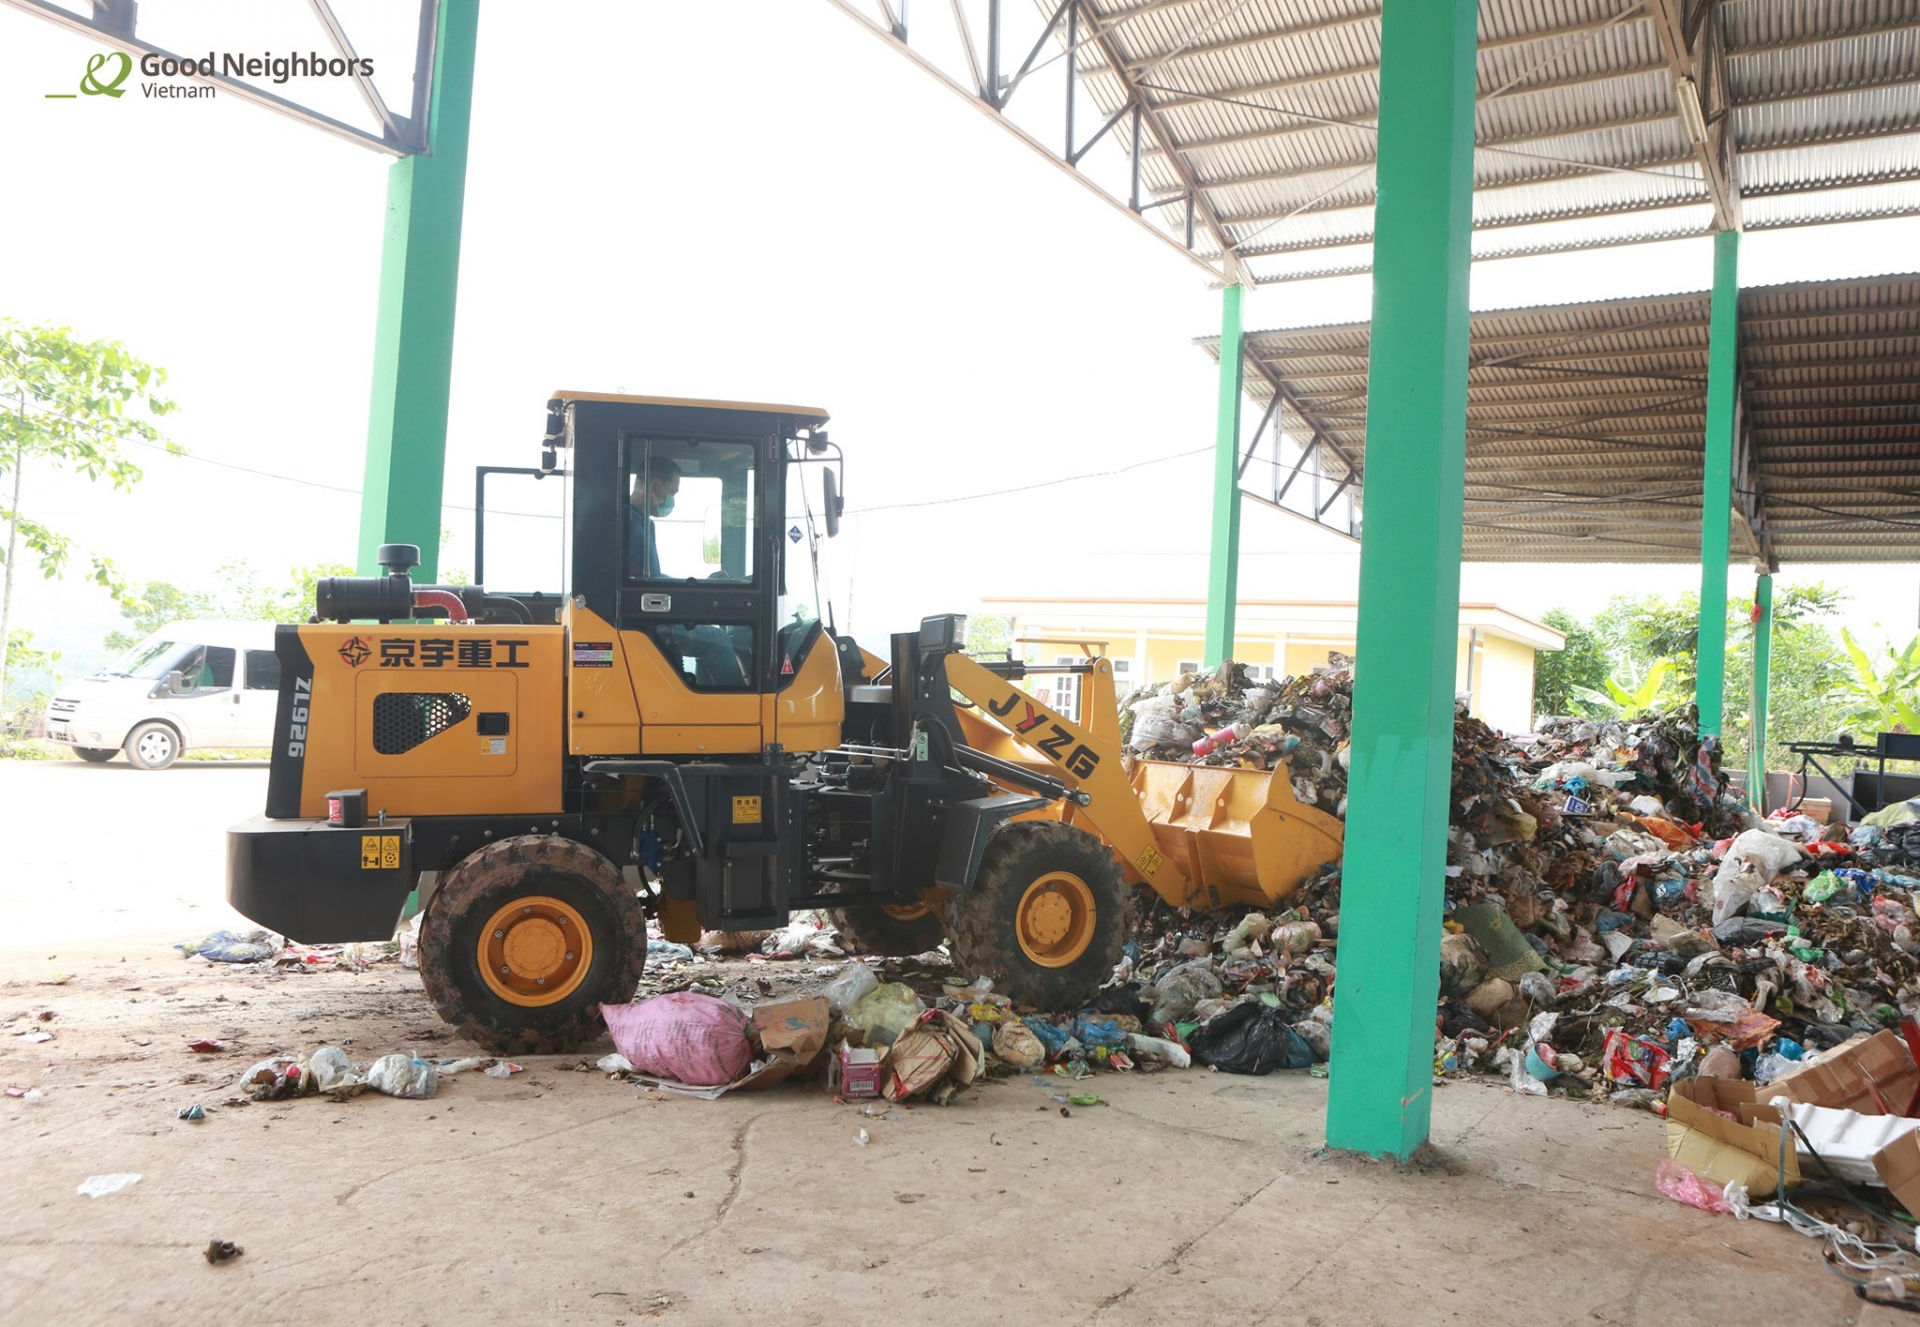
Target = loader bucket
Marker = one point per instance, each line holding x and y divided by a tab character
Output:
1240	835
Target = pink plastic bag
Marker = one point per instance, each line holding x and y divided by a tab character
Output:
1683	1186
690	1038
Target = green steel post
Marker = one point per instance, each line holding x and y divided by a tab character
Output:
1380	1097
1762	669
413	338
1716	480
1223	567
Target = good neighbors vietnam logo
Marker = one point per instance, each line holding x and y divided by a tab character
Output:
107	70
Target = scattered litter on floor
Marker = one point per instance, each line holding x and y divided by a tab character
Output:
99	1186
233	947
222	1250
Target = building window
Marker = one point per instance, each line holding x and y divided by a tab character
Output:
1066	687
1187	666
1260	672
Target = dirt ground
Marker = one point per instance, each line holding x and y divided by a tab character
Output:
561	1196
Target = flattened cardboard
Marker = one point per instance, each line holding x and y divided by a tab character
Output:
1720	1150
792	1033
1898	1164
1848	1075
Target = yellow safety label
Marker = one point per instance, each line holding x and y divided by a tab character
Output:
746	810
379	852
1149	861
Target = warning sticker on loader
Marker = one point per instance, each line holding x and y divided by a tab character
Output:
379	852
1149	861
746	810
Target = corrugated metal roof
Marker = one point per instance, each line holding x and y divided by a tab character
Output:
1263	112
1584	423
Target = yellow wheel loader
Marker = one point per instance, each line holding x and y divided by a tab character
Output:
674	733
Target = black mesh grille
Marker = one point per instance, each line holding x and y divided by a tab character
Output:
403	720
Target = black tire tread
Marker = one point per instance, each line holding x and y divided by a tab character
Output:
865	929
460	889
983	934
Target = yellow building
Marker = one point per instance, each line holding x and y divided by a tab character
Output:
1153	640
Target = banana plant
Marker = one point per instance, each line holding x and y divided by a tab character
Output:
1883	701
1629	701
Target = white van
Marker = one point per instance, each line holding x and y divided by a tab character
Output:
189	685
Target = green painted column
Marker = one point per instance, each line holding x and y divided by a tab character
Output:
1716	496
1380	1096
413	338
1762	670
1223	564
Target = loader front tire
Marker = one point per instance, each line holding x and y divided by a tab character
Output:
526	938
1047	916
891	932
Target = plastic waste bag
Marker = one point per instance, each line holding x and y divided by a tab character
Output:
1098	1032
1683	1186
1171	1051
1053	1038
1015	1044
666	951
1751	863
688	1037
332	1070
233	947
1180	990
1250	1039
853	981
404	1076
884	1012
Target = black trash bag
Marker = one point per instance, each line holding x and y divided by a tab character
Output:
1121	1000
1250	1039
1457	1019
1745	932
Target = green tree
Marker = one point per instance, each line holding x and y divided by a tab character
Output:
68	404
1559	674
27	662
1881	700
1806	663
160	602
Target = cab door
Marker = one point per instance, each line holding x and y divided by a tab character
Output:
693	599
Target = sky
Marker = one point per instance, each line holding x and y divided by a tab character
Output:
755	201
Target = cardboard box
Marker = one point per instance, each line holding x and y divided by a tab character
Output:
855	1072
1871	1074
1898	1164
791	1033
1819	808
1744	1150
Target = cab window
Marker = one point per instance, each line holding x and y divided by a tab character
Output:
690	510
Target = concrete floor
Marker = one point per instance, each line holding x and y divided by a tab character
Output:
563	1197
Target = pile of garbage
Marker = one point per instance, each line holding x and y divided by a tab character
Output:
1226	718
1615	920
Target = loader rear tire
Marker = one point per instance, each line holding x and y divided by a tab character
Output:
874	928
1047	916
526	938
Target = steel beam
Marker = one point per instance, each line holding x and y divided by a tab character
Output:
1716	480
413	337
1223	559
1380	1097
1762	678
1699	73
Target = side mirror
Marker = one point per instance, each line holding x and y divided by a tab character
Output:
177	683
831	502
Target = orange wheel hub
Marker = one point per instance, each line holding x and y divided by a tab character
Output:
1054	922
905	912
535	951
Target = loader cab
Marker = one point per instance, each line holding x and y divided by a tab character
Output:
692	525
